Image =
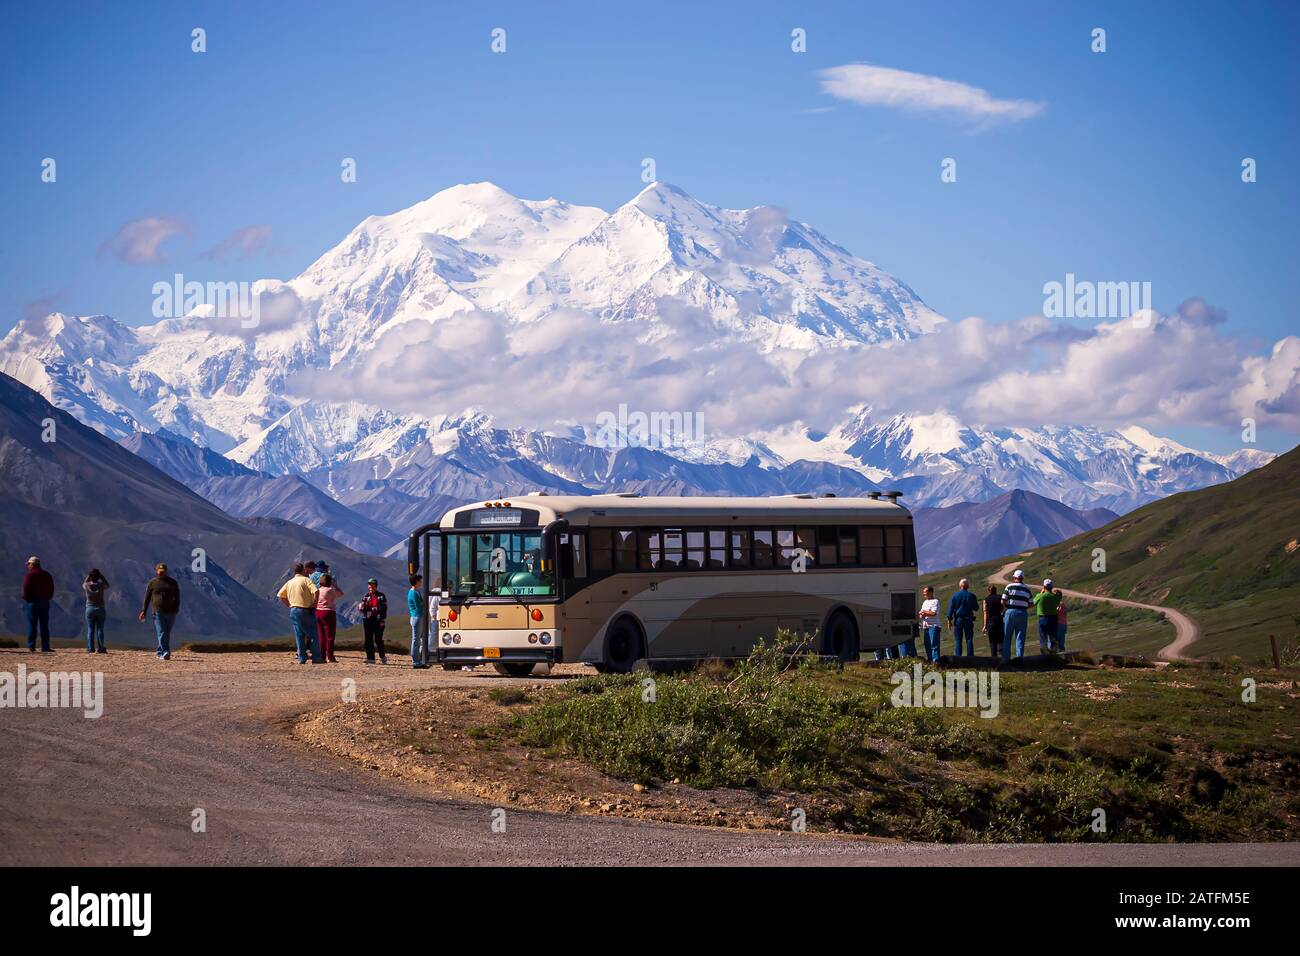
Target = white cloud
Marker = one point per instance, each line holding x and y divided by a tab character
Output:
242	244
139	241
870	85
570	366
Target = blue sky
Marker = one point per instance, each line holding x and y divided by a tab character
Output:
1130	171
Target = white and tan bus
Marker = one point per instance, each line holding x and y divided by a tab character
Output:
612	579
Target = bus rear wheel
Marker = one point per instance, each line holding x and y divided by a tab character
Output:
514	669
841	637
622	648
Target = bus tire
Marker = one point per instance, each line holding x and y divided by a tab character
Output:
841	637
514	668
623	647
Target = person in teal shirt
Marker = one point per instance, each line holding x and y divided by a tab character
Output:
1046	603
415	606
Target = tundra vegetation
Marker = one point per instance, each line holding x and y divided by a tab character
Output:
1174	754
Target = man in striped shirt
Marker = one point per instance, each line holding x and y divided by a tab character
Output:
1015	603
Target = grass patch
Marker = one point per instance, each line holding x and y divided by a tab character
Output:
1172	755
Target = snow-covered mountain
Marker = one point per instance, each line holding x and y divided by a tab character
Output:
745	276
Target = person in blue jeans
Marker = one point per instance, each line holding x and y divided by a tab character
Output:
95	585
931	625
1016	599
298	594
37	593
961	617
163	596
415	607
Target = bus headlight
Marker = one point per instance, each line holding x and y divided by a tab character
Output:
446	638
455	638
532	638
546	638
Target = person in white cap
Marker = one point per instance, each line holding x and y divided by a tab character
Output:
37	593
1046	603
1016	599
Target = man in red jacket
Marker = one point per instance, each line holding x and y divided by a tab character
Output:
38	591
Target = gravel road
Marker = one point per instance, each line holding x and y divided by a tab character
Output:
210	731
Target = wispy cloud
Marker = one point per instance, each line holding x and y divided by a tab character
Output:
870	85
243	244
139	241
40	308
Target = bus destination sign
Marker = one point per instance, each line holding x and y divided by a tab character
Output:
495	518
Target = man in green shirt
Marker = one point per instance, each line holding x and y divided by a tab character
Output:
1046	603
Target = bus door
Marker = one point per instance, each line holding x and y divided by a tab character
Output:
573	576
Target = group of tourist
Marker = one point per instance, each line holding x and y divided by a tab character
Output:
1004	621
162	599
311	594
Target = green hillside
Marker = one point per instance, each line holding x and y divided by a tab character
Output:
1228	555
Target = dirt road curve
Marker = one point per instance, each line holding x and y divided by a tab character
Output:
1186	630
210	731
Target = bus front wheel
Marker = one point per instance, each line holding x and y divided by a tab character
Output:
622	648
842	637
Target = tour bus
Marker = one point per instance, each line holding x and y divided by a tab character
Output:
611	580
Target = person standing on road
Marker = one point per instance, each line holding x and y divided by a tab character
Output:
931	626
1061	623
298	594
1016	599
993	620
95	585
37	593
163	595
1047	602
961	617
327	620
322	569
374	612
414	605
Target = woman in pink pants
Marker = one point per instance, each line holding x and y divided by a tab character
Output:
327	620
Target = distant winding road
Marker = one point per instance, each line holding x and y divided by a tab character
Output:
1186	630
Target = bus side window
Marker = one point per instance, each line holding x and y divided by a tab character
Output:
763	547
871	545
602	550
825	546
577	556
895	553
785	546
624	549
694	550
648	549
671	559
717	548
740	539
848	545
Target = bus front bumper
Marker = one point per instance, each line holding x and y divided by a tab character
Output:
504	646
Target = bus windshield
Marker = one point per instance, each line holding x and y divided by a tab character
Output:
497	564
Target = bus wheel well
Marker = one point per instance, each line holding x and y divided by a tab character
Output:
840	635
625	644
